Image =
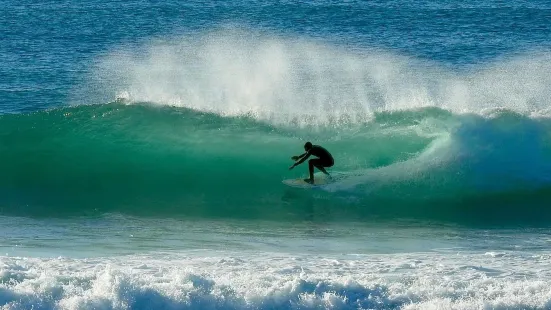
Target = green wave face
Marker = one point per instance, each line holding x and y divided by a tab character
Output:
162	161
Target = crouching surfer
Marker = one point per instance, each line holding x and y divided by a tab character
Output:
324	160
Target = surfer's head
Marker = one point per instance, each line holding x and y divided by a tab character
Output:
307	146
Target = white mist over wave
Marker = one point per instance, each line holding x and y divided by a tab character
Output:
283	80
448	279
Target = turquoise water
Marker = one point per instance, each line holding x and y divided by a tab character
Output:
139	159
143	147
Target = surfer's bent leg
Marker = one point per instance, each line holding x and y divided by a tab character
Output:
321	164
322	169
311	164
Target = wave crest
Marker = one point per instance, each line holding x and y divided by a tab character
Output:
292	80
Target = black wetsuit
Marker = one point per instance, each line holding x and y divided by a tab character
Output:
325	159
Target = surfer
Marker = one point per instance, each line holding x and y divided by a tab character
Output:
324	160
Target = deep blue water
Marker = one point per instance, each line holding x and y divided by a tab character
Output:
47	48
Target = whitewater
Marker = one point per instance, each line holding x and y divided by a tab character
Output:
265	265
143	148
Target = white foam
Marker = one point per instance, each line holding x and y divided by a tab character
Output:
229	280
475	155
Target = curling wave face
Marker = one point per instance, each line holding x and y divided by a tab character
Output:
144	159
205	126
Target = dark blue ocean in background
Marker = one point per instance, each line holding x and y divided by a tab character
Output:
143	147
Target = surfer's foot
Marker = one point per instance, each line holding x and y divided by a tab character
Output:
309	181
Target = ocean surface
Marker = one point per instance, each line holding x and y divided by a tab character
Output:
143	145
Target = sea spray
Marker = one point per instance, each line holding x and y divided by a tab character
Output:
309	83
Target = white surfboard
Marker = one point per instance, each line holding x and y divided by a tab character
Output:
300	183
320	180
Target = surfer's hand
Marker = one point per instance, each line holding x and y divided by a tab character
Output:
291	168
294	158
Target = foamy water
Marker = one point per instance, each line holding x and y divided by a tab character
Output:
451	279
217	265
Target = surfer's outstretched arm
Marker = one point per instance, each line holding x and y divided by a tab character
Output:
295	158
302	158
